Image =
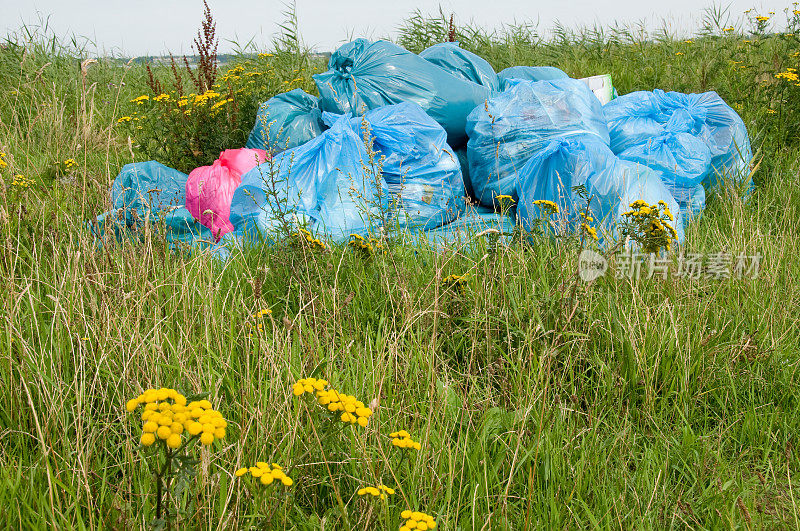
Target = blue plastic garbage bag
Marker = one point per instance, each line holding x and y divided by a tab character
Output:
364	75
323	179
530	73
150	192
462	63
611	183
515	124
635	118
683	162
286	121
471	224
463	160
422	173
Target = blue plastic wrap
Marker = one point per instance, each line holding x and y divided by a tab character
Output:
322	179
462	63
365	75
325	179
286	121
421	171
515	124
612	184
683	162
471	223
150	192
530	73
635	118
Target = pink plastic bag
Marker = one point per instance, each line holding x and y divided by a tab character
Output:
209	189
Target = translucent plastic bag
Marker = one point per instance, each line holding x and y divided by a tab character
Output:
683	162
610	182
515	124
209	189
421	171
635	118
149	193
286	121
530	73
365	75
462	63
334	182
471	223
322	181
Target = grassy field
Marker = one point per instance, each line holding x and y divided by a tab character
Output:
539	400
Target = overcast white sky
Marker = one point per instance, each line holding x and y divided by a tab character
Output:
141	27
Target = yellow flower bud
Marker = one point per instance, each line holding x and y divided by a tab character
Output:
287	481
207	438
174	441
148	439
267	478
241	472
131	405
163	432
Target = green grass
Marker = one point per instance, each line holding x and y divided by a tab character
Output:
540	401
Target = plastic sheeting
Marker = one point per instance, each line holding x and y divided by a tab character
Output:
150	193
209	189
530	73
610	182
462	63
334	182
515	124
421	171
683	162
365	75
285	121
635	118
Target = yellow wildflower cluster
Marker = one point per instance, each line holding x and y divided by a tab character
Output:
588	229
368	247
66	166
505	201
314	243
381	491
258	317
162	97
124	119
233	73
653	225
456	282
789	75
3	163
21	181
762	18
266	473
402	439
220	103
728	29
416	520
167	416
140	99
353	411
546	205
678	53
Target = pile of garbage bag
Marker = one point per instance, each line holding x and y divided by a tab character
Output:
426	144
